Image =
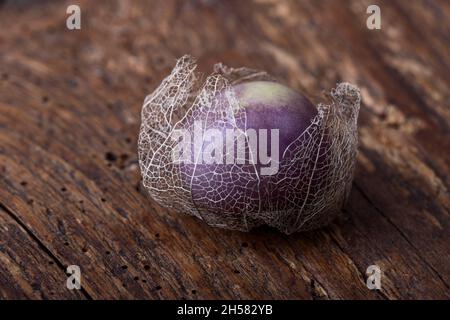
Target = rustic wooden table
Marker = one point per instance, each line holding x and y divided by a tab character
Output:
69	180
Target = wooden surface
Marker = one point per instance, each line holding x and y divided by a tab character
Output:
69	181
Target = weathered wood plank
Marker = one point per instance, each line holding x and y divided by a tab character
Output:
69	117
26	271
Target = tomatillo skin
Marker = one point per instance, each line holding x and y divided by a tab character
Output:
270	105
238	150
244	188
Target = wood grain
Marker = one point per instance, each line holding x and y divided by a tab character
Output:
69	180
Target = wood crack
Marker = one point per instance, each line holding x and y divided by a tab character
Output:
402	234
315	286
40	244
360	273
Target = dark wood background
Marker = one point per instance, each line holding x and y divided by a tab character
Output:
70	106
